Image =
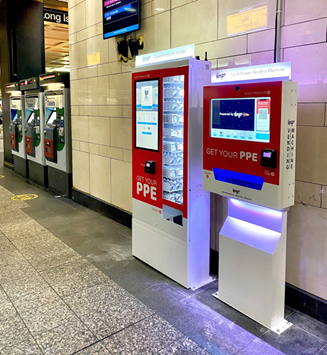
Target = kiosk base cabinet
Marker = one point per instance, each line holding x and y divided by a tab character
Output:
59	181
20	166
38	173
188	262
252	262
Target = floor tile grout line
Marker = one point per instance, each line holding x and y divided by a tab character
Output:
50	287
239	351
28	329
311	334
323	348
184	336
89	346
39	272
142	320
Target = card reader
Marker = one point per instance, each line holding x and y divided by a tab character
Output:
150	167
268	158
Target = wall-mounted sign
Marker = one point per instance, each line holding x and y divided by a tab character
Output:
168	55
280	71
246	20
93	58
57	16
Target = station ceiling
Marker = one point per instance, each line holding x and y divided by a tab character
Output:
56	40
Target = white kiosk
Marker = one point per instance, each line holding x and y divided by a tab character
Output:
249	157
33	131
170	208
16	128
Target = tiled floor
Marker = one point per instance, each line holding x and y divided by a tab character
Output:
70	285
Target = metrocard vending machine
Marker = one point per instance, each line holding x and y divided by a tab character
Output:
33	131
57	132
16	128
249	137
170	208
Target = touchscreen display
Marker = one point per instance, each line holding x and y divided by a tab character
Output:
31	118
147	130
241	119
52	117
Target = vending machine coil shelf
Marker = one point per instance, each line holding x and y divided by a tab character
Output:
173	141
173	119
172	159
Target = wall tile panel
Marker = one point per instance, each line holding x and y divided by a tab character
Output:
309	69
185	31
100	174
299	11
311	165
81	169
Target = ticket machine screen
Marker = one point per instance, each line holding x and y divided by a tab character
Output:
15	117
31	118
52	117
245	119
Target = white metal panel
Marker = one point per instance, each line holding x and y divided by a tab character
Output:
64	159
21	146
252	280
159	250
39	150
154	217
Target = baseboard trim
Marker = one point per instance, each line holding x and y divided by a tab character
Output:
8	165
306	303
102	207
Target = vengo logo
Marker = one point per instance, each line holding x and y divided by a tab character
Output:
236	191
220	76
291	122
235	114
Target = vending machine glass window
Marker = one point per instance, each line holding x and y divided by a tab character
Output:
147	115
173	132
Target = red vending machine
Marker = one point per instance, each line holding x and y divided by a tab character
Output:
170	208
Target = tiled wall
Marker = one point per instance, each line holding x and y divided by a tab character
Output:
101	104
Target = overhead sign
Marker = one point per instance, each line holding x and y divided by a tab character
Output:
56	16
120	17
25	197
281	71
246	20
168	55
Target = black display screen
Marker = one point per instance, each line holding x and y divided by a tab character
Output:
233	114
120	16
241	119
